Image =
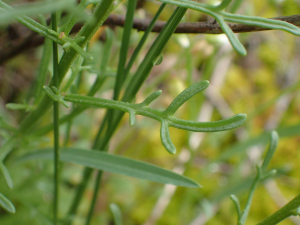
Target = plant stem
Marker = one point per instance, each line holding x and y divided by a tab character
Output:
283	213
55	122
95	195
141	75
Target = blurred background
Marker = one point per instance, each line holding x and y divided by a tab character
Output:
264	85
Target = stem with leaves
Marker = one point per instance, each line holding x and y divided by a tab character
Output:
261	175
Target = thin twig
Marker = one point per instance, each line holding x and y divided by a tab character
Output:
208	27
32	40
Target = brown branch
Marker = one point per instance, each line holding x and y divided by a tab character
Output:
33	40
196	27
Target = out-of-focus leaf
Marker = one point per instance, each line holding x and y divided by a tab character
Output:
242	147
115	164
114	208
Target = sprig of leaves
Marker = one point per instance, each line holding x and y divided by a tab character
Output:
165	117
221	16
261	175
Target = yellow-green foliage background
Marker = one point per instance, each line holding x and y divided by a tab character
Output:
246	85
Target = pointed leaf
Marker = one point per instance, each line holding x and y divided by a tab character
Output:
234	41
271	150
115	164
6	204
7	177
186	95
151	98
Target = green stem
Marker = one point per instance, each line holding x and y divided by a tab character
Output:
143	40
142	73
100	14
283	213
124	47
55	122
95	195
123	55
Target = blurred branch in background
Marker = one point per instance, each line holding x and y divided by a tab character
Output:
25	40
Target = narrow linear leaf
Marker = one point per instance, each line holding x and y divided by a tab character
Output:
115	164
143	40
237	205
186	95
124	47
271	150
165	138
16	106
221	125
6	204
151	98
207	9
262	22
236	44
7	176
115	210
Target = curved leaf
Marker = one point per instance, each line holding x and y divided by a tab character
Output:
114	208
165	138
271	150
186	95
115	164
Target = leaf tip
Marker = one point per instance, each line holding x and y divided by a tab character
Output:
131	118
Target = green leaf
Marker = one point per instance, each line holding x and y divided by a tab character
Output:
214	126
241	147
114	208
186	95
115	164
237	205
6	204
7	177
262	22
151	98
271	150
165	137
209	10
